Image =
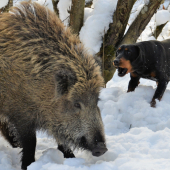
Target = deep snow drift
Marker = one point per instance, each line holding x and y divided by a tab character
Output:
138	136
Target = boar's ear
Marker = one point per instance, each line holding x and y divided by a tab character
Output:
64	79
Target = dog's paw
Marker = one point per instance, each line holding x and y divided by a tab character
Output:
153	103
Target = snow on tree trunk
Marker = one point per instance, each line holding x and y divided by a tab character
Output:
114	36
141	21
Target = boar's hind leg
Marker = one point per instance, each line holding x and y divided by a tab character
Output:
9	136
28	142
66	152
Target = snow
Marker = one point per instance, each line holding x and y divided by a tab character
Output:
136	10
165	4
3	3
162	17
137	136
64	6
96	24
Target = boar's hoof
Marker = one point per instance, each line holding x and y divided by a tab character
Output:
99	150
66	152
69	155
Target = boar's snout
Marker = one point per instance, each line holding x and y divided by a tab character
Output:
99	150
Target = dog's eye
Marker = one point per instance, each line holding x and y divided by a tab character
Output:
128	52
77	105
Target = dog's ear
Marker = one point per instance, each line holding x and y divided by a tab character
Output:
64	80
137	49
135	53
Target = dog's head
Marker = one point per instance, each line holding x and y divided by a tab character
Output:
125	55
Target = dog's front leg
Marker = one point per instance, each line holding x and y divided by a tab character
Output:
133	83
162	84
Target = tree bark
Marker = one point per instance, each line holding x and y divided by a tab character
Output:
114	35
55	3
77	15
141	21
9	5
158	30
88	4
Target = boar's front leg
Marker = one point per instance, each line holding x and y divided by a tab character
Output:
28	142
68	153
9	136
162	84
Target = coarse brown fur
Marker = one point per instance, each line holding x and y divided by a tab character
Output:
51	84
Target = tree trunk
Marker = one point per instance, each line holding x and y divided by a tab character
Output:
141	21
77	15
114	35
89	4
55	3
9	5
158	30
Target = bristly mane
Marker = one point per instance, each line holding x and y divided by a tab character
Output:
47	40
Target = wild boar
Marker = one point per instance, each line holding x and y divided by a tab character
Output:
48	82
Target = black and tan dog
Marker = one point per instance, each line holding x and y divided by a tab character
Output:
148	59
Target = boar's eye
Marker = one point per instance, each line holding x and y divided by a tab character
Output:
77	105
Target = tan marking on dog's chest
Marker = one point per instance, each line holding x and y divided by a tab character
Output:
153	74
134	75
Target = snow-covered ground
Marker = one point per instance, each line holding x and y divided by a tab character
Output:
138	136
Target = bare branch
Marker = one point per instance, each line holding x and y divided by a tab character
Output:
89	4
45	2
55	3
9	5
141	21
158	30
120	20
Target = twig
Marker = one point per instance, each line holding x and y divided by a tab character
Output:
65	19
44	2
103	56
